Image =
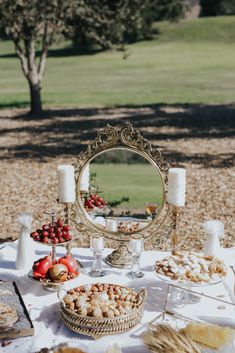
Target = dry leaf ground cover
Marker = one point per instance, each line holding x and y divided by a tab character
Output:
198	137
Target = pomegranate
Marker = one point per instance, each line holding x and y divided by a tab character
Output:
69	261
41	266
58	273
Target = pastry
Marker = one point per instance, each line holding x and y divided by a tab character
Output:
191	267
8	316
212	336
128	227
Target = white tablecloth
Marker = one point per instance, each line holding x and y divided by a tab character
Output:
43	306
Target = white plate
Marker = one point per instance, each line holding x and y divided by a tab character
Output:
189	283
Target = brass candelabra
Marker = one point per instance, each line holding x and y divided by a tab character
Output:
175	214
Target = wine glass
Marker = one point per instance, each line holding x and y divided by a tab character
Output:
97	246
136	247
151	209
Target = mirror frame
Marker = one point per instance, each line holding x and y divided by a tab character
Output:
111	138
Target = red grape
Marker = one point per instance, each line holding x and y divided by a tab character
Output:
66	228
67	236
45	240
59	223
52	235
45	227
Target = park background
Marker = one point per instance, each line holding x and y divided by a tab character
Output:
177	86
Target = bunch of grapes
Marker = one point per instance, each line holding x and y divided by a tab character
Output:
55	233
94	201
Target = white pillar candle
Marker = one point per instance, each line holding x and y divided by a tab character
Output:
66	183
84	183
111	224
176	186
136	245
97	243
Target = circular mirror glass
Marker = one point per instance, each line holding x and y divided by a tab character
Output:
121	191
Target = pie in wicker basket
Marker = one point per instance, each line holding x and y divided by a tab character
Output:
100	309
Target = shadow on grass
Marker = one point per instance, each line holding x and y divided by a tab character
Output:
62	52
14	104
65	132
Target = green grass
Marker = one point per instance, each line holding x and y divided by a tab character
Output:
190	62
139	182
205	29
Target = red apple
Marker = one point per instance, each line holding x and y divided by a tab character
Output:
55	240
61	240
52	235
45	233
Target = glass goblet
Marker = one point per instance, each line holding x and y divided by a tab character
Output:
136	247
97	246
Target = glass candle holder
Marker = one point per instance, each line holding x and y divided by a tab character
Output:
97	246
136	247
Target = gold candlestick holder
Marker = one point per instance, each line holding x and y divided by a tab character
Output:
67	221
174	215
53	248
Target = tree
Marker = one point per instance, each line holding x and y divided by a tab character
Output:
33	25
217	7
109	22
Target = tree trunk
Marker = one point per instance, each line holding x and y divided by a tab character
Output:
35	99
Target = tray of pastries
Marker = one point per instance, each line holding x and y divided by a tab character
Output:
100	309
129	225
190	267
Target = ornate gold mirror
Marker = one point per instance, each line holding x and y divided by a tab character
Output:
121	186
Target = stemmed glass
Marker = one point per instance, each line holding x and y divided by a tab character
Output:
151	209
97	246
136	247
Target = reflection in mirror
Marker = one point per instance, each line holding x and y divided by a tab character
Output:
121	191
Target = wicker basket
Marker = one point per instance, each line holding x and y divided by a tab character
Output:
97	328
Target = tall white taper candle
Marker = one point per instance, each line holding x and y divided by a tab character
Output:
84	184
66	183
176	186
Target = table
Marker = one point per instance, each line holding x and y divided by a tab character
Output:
43	306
